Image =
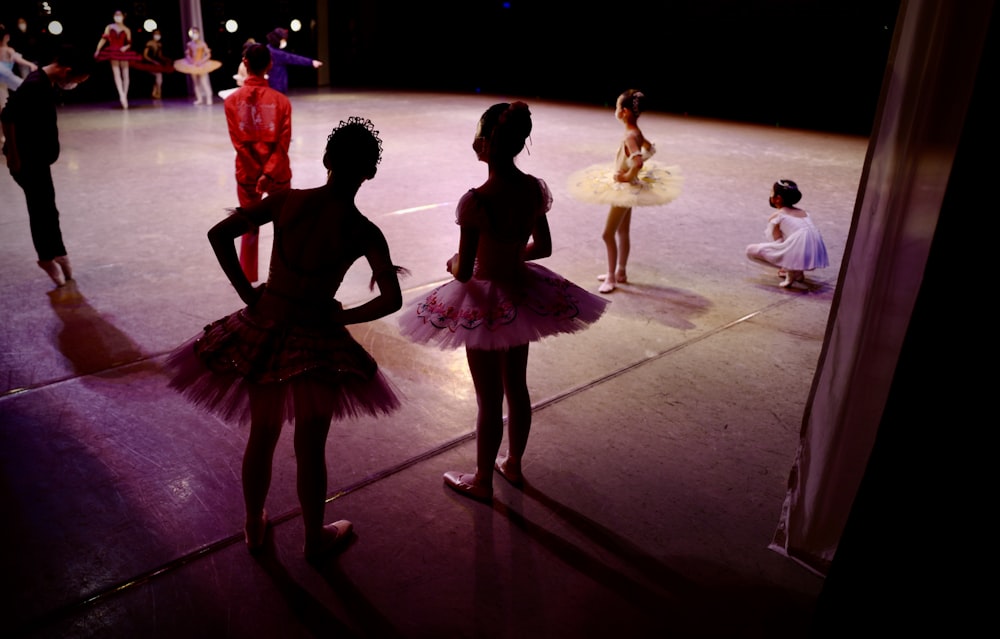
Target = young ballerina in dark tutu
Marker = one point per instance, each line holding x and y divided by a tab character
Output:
288	356
500	301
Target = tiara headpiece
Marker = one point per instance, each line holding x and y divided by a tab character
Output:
364	123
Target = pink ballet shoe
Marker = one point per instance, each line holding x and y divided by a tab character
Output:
792	279
255	533
333	537
607	284
465	484
514	476
620	278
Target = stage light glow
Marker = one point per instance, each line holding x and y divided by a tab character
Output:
232	26
295	25
55	27
149	25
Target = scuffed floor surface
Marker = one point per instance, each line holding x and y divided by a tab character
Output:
662	436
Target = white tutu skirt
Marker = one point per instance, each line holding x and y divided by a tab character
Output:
655	185
486	315
318	371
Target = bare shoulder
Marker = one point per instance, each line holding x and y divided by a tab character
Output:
634	135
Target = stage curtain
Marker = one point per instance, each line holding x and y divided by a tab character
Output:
926	90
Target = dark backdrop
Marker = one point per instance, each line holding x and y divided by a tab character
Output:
794	63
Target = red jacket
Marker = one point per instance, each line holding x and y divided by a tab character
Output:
260	127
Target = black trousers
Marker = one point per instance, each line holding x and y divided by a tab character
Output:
43	216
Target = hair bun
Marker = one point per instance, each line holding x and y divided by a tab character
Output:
516	120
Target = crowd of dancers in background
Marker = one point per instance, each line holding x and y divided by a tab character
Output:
19	53
287	356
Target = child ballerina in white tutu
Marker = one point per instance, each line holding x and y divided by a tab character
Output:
499	300
794	243
631	181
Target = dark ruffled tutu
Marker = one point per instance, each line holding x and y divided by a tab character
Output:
483	314
152	67
109	53
321	369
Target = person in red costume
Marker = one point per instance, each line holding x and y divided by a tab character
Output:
115	46
260	127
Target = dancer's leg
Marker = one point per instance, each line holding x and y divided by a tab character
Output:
486	369
312	425
126	75
515	367
615	217
119	76
265	429
624	246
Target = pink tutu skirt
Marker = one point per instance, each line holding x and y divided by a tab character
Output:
486	315
320	370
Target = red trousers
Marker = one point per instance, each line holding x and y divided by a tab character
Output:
247	195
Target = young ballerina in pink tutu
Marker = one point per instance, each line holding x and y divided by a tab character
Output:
631	181
500	301
794	243
288	356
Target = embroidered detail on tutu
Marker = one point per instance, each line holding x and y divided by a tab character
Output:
263	352
443	315
496	317
562	305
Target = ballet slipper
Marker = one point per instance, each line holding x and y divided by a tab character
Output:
254	534
508	472
465	484
607	285
791	277
53	270
332	537
63	262
620	278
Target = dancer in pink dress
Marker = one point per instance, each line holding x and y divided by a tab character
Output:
794	243
500	301
288	355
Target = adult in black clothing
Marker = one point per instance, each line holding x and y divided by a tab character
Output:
32	147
